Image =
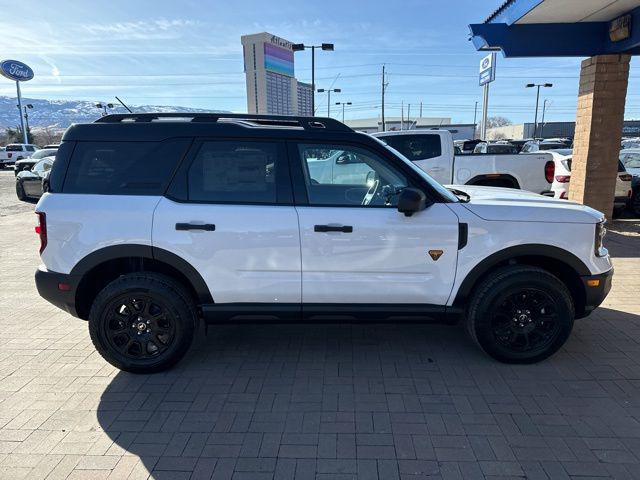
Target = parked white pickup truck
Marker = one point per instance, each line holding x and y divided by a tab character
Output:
15	151
432	151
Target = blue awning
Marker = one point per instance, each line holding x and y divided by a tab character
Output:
555	28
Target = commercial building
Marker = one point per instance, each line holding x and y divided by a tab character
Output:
630	128
269	72
370	125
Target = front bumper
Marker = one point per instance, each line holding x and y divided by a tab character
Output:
58	289
596	289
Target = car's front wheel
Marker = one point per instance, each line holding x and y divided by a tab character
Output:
520	314
143	322
22	196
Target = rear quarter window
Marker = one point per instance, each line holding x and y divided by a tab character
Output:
123	168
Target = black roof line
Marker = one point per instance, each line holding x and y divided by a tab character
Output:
249	120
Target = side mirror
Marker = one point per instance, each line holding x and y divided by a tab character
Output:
411	200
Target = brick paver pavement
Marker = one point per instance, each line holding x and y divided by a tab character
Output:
317	401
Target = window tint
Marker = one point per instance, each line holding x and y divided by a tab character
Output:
501	149
123	168
47	152
415	147
234	172
551	146
349	176
30	148
14	148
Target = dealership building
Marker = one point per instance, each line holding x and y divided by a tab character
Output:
269	72
630	128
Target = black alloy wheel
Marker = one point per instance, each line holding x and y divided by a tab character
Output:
525	321
520	314
143	322
139	326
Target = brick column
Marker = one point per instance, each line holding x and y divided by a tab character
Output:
596	145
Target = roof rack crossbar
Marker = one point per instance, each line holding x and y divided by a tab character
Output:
308	123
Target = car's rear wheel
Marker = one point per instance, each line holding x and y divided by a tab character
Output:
520	314
22	196
143	322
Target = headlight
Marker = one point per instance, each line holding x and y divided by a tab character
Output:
599	240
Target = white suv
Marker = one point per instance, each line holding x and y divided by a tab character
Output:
154	222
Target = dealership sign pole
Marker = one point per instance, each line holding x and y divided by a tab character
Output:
487	75
19	72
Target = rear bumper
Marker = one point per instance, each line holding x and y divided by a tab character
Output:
52	286
595	294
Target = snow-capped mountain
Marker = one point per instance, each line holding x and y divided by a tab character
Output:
62	113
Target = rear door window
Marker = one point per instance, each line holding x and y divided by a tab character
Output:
123	168
415	147
241	172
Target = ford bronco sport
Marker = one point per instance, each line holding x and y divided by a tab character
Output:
153	222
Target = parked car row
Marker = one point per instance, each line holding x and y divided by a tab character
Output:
14	152
560	186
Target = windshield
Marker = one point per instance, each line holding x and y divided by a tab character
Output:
435	185
44	153
631	160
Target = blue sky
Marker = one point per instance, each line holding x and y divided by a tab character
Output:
188	53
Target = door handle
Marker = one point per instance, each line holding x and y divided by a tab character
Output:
209	227
333	228
436	169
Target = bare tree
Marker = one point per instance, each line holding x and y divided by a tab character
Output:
493	122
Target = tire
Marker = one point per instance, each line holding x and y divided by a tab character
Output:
505	314
20	192
129	332
635	203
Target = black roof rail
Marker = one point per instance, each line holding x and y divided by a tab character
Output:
308	123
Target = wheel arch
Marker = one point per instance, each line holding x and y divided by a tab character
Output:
102	266
562	263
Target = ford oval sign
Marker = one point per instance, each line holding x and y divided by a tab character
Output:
15	70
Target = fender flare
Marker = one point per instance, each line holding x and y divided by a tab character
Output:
533	249
114	252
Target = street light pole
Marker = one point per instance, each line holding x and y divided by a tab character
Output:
335	90
26	115
544	109
297	47
343	105
475	126
538	85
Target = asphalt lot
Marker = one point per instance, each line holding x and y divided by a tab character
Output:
314	401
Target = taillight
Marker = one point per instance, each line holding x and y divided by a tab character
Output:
563	178
41	230
564	195
549	171
625	177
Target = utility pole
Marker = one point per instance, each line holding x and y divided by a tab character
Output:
402	115
475	125
420	108
384	87
409	116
